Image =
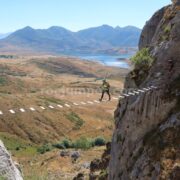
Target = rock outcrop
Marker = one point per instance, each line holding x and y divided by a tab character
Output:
146	139
8	169
99	167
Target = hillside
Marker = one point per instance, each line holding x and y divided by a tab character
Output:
57	40
47	81
29	82
145	143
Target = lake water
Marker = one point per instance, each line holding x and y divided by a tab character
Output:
108	60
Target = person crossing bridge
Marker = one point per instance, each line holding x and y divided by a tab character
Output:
105	89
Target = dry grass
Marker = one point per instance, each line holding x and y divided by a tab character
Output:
27	83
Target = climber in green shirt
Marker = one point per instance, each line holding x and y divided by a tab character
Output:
105	89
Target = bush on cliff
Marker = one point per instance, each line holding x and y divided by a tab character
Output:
142	59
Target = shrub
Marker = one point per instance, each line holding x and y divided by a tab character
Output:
83	143
167	29
7	56
103	174
59	146
142	59
66	143
45	148
17	148
99	141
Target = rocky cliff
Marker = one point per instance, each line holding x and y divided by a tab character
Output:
8	169
146	140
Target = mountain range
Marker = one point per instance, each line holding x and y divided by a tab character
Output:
60	40
4	35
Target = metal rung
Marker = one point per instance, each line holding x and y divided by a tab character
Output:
42	107
121	96
90	102
140	90
67	105
75	104
12	111
154	87
22	110
51	107
32	109
96	101
126	95
83	103
136	92
131	93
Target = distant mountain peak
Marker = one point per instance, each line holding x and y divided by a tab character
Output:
56	27
27	28
106	26
131	27
117	27
57	39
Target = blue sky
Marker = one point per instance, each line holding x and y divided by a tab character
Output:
75	14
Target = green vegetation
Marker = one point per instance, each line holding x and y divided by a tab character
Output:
45	148
66	143
2	178
99	141
73	117
59	145
33	90
142	59
164	37
166	33
18	146
48	100
3	80
103	174
37	177
143	62
167	29
7	56
81	143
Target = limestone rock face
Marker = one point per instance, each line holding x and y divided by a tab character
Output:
8	169
176	2
150	29
145	143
